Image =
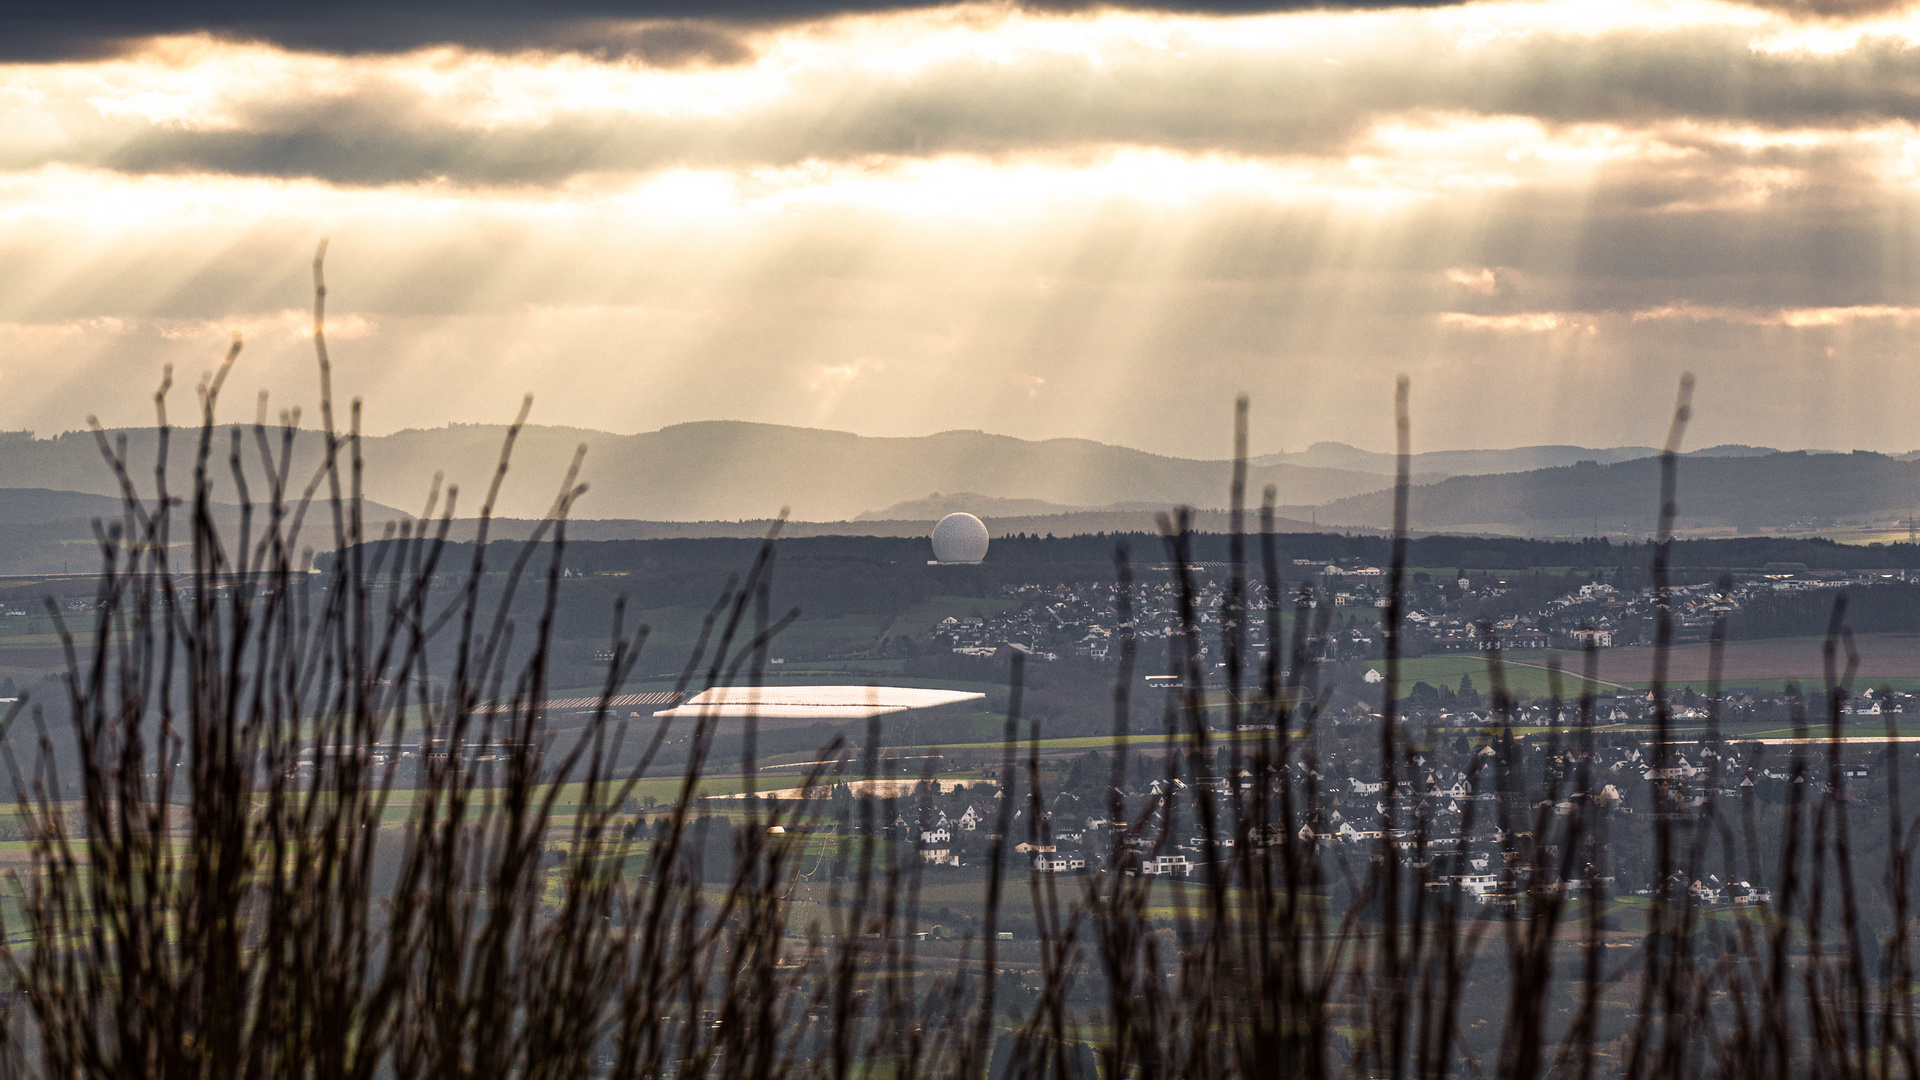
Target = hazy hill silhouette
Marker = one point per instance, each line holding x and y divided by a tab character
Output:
38	506
1336	455
729	478
720	470
1777	491
936	506
53	532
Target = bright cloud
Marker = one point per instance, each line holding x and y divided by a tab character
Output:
1100	224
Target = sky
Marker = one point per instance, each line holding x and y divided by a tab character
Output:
1042	221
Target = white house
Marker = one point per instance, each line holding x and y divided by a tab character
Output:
1478	884
1167	864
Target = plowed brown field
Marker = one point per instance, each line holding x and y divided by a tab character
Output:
1882	656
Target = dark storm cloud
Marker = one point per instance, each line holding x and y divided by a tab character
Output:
101	27
1829	9
1215	97
678	32
89	30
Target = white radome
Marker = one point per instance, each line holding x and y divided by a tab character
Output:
959	538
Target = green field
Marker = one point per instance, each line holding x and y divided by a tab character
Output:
1528	677
1087	742
680	626
923	617
1807	684
1765	665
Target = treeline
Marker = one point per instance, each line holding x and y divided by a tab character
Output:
902	561
1890	608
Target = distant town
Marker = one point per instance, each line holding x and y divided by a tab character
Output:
1470	612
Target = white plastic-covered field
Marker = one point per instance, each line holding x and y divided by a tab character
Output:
814	702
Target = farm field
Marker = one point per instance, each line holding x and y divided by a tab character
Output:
1527	676
1763	664
924	616
1768	661
1080	742
811	675
680	626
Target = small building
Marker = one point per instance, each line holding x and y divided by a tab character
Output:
1161	865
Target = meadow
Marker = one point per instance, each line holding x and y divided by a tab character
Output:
1766	664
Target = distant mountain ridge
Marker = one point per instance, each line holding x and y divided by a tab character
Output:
716	470
39	506
43	531
43	506
1443	463
1081	523
728	478
1796	490
936	506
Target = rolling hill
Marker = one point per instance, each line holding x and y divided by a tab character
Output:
1443	463
1796	491
726	478
718	470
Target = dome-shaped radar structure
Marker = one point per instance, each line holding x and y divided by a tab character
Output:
959	538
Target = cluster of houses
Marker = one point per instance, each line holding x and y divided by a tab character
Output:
1451	823
1486	861
1471	614
1078	620
1614	707
961	835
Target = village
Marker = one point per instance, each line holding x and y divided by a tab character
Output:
1454	612
1459	814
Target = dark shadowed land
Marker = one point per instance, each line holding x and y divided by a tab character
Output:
1226	805
352	818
